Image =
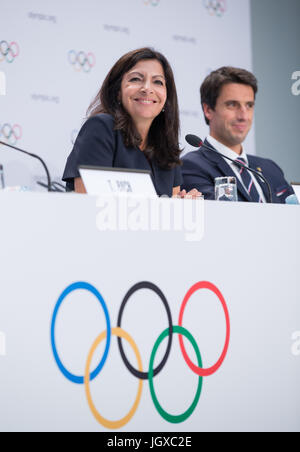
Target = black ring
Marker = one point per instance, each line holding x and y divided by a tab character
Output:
138	286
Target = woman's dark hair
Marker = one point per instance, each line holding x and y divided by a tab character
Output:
212	85
162	143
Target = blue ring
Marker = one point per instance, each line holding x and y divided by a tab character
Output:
66	292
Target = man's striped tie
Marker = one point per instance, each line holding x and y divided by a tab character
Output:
248	181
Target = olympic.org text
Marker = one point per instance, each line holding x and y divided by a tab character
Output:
152	442
296	343
44	17
141	214
296	84
2	84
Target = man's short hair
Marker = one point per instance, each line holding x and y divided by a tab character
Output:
212	85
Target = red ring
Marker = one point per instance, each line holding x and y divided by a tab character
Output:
17	48
211	370
16	126
94	59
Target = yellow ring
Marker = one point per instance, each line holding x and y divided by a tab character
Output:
119	332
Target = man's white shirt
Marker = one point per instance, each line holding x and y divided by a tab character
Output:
233	155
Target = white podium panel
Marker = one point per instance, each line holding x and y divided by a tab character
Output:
70	290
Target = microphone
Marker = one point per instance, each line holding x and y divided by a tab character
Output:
196	142
49	183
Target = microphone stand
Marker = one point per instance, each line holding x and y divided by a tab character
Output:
49	183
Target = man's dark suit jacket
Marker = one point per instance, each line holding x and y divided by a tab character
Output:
201	167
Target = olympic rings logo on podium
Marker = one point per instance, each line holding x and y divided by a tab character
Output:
11	133
82	61
215	7
139	373
9	52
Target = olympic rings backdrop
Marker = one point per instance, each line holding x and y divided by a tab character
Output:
55	55
141	373
9	51
11	134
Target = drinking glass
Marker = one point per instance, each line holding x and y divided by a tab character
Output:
225	189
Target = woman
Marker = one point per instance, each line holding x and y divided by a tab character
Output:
133	123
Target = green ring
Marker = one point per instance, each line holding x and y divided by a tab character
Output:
169	417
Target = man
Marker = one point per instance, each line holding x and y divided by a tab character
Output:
228	99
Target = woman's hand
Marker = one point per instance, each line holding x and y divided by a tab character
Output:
79	186
182	194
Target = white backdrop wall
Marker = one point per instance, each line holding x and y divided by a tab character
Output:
47	96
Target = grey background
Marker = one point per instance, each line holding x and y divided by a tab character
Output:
276	55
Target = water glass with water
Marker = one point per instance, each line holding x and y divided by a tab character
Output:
225	189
